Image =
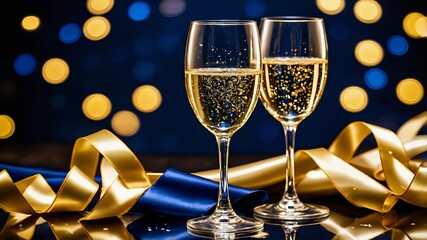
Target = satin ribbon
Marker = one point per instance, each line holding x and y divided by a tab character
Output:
124	180
175	193
360	178
319	172
185	195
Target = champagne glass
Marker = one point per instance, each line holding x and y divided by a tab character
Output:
295	61
222	80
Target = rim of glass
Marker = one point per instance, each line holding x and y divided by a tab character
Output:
223	22
292	19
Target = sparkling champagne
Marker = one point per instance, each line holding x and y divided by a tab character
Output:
223	99
292	87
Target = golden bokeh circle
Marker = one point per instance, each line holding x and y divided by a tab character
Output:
125	123
367	11
96	106
415	25
369	53
55	71
410	91
421	26
147	98
30	23
99	7
330	7
96	28
354	99
7	126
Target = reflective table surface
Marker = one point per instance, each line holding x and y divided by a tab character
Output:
345	221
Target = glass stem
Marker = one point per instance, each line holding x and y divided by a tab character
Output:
290	232
224	212
290	200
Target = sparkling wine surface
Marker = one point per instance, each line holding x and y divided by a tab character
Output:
223	99
292	87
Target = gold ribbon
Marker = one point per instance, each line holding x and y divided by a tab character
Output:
124	180
319	172
322	172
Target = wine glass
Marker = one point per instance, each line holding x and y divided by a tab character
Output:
222	80
295	63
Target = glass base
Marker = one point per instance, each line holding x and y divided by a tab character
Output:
308	213
244	227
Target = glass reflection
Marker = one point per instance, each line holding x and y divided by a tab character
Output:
290	227
344	222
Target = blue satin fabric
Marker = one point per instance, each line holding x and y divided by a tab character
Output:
176	193
182	194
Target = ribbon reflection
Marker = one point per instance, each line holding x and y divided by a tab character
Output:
64	226
343	223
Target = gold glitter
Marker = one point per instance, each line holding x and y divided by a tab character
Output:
223	99
292	86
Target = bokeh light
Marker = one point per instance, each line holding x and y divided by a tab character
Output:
147	98
354	99
376	78
30	23
369	53
70	33
410	91
139	36
172	8
125	123
367	11
415	25
55	71
255	8
330	7
7	126
25	64
96	106
421	26
397	45
99	7
96	28
139	11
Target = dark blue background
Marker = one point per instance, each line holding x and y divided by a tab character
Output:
45	112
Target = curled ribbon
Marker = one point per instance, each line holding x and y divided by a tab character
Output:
321	171
124	180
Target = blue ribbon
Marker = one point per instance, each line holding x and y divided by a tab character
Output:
176	193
